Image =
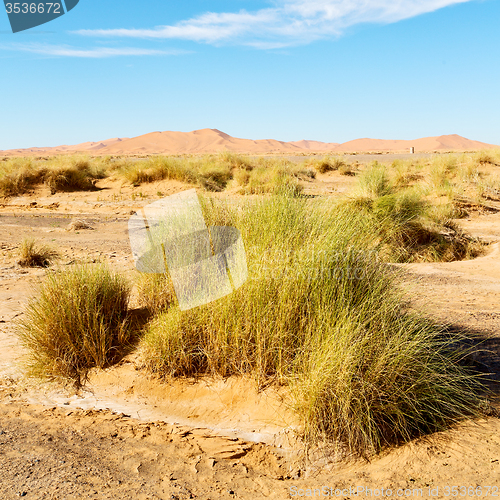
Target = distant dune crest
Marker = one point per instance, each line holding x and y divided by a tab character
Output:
213	140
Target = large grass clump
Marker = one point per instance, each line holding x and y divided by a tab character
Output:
77	321
19	175
322	314
158	169
73	174
407	225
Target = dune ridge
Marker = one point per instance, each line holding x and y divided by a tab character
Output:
213	141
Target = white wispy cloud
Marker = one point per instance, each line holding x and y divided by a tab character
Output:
288	22
96	53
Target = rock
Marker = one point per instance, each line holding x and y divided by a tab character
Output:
77	225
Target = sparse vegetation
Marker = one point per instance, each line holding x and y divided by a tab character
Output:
446	174
409	227
374	182
74	174
215	172
322	314
262	179
32	254
157	169
328	164
19	176
78	321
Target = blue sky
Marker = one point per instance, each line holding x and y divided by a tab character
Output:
329	70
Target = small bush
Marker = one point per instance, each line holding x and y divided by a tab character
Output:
78	321
346	170
485	157
410	230
277	179
440	171
214	177
328	164
72	175
303	173
405	172
374	181
233	160
65	173
158	169
19	176
33	255
242	177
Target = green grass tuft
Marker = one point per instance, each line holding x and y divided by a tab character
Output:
77	322
157	169
33	255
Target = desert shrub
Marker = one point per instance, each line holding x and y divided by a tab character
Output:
347	170
442	213
72	174
411	230
209	172
303	173
155	292
441	170
117	166
409	227
405	172
242	177
322	314
487	157
32	254
233	160
265	179
438	177
158	169
65	173
76	322
374	181
214	177
469	171
20	175
327	164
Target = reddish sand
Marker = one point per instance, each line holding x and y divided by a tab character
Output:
213	140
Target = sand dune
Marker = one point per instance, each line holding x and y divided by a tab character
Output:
213	140
316	145
443	142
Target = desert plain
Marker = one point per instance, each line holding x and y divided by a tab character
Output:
127	435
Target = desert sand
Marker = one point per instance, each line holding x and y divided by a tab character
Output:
213	140
126	436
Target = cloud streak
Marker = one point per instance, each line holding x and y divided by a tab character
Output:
93	53
287	23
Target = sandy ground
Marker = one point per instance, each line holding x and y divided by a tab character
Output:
127	436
